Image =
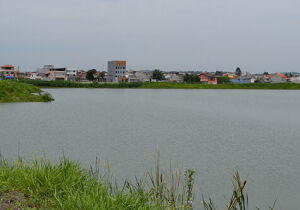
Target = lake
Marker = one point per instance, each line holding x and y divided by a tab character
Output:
211	131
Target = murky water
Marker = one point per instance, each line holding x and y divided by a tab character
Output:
212	131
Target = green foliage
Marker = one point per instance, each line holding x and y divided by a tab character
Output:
101	77
223	80
169	85
238	71
90	74
158	75
69	84
266	73
191	78
162	85
219	73
66	185
189	185
47	97
14	91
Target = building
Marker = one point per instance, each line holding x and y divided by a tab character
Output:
45	69
8	72
242	80
278	78
177	77
116	71
208	78
295	79
135	76
35	76
71	74
56	74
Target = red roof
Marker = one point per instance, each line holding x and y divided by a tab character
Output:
8	66
281	75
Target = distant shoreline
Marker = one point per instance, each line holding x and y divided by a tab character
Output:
162	85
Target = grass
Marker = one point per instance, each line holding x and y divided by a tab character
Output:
170	85
69	84
13	91
162	85
42	184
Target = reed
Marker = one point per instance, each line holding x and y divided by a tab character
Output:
42	184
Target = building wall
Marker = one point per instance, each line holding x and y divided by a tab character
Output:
71	74
116	70
45	69
295	79
277	79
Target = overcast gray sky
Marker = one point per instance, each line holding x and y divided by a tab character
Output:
257	35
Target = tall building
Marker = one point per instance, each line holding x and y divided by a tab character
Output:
116	71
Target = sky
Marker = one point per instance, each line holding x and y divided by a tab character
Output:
171	35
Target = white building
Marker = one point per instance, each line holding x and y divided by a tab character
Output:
35	76
71	74
295	79
116	71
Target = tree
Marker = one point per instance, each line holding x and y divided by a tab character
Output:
101	77
191	78
238	71
266	73
90	74
158	75
219	73
223	80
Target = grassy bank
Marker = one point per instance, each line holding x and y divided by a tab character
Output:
68	84
13	91
166	85
162	85
42	184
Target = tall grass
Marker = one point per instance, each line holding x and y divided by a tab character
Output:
66	185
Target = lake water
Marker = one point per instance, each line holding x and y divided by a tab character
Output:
212	131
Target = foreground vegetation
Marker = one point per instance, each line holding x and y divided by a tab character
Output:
42	184
13	91
162	85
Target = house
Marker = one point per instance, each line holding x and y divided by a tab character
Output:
56	74
82	76
8	72
230	75
35	76
176	77
45	69
278	78
71	74
132	77
242	80
208	78
295	79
